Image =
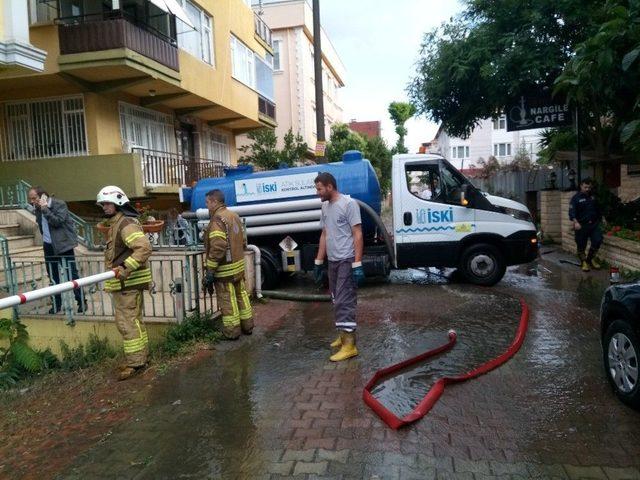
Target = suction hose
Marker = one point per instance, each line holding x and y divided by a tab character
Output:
300	297
432	396
387	238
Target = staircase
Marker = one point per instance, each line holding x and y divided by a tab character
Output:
19	229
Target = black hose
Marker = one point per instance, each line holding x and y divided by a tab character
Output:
387	238
301	297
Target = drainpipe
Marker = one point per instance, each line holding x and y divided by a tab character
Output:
258	267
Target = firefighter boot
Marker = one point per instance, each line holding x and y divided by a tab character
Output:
337	343
348	348
128	372
584	263
591	259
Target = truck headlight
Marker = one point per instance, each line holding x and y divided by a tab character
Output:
518	214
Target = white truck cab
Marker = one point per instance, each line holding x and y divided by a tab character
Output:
440	219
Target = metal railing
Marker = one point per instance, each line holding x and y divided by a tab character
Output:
173	277
15	196
262	30
172	169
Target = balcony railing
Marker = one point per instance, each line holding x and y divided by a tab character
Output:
267	108
172	169
262	30
92	33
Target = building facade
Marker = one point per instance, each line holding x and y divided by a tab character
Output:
489	138
148	95
291	23
369	129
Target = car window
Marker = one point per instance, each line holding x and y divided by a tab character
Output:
423	182
452	184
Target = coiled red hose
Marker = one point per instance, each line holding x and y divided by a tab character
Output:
438	388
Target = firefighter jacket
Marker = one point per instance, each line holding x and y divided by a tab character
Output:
224	245
127	246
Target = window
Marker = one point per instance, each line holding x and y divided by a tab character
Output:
264	77
423	181
501	149
500	123
198	42
40	12
243	63
146	128
216	146
461	151
45	128
277	45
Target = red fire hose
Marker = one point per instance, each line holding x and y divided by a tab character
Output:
436	391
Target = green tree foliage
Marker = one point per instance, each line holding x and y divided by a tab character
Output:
472	67
264	153
379	155
341	140
400	112
603	79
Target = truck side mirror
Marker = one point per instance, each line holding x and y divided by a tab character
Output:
466	196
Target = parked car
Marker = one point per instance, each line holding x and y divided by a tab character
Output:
619	332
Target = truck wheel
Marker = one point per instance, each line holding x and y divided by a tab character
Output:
483	264
269	270
621	350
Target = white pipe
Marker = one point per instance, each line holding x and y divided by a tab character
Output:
258	268
288	217
284	228
262	208
55	289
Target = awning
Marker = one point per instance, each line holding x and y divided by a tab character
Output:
174	8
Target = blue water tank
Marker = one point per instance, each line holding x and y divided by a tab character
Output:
241	186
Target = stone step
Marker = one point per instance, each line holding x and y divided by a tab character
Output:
20	241
9	229
34	252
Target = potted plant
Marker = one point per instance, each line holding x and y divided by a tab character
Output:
147	221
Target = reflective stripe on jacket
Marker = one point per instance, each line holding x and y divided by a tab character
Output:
129	247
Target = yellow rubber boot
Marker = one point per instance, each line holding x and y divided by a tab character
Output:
585	266
337	343
347	350
595	264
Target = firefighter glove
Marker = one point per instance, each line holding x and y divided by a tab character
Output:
319	272
207	282
358	273
121	272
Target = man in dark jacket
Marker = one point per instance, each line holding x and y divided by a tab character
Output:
585	214
58	240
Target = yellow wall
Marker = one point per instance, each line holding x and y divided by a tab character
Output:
78	178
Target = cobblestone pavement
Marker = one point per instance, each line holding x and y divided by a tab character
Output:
273	406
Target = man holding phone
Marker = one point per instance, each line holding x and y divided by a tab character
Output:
58	241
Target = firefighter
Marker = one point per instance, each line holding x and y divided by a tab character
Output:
127	252
224	266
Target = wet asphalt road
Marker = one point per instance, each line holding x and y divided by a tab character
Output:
273	406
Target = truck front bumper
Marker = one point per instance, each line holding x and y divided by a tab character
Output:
521	247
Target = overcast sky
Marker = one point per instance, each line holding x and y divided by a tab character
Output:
379	42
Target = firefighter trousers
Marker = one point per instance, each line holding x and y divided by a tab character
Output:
128	308
237	314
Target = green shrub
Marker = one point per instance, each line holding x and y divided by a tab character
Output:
17	359
192	329
96	350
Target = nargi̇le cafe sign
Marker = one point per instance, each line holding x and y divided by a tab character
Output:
538	112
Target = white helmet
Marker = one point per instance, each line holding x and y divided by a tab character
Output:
112	194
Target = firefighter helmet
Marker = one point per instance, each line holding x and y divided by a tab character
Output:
112	194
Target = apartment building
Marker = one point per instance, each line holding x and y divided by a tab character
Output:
489	138
145	94
291	23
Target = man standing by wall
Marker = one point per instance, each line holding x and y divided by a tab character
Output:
585	214
58	240
224	262
341	240
128	250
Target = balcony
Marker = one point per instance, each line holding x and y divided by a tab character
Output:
267	110
93	33
166	169
262	30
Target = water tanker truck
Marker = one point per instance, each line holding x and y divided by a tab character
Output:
439	219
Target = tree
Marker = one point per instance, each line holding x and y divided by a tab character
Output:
379	155
400	112
263	152
472	67
341	140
